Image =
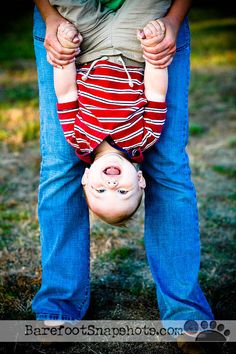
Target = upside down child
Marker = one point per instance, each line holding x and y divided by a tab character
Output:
111	110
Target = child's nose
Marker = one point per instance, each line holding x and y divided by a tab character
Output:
112	183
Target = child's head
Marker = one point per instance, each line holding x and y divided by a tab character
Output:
113	188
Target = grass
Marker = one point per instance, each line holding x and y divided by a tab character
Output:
229	171
119	254
121	282
17	35
213	40
196	129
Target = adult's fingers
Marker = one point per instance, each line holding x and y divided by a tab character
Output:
163	46
160	55
51	42
51	62
167	63
149	42
60	56
58	63
49	59
157	47
162	63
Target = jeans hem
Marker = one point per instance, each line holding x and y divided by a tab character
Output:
40	316
52	316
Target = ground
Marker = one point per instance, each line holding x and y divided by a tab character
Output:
122	286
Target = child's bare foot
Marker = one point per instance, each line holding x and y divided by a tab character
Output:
153	29
68	35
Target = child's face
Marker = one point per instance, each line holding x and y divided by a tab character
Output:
112	185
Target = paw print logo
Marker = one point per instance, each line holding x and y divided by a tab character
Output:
207	331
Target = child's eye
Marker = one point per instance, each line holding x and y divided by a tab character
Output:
100	190
122	191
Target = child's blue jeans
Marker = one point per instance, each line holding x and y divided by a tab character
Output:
171	216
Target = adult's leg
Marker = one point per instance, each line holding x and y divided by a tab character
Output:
171	216
62	210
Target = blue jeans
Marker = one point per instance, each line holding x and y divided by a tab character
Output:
171	216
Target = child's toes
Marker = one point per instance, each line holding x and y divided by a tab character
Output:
67	30
160	30
140	34
78	38
155	29
149	30
65	43
161	26
63	27
68	35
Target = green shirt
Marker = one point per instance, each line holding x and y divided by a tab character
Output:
112	4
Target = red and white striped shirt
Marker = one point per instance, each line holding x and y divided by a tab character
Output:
108	108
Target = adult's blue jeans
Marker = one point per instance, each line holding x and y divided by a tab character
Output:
171	217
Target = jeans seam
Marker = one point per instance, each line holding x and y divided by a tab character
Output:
182	47
87	289
186	36
39	38
188	169
53	316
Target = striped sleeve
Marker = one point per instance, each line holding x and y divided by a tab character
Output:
67	113
153	119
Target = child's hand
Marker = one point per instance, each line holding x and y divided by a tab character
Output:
68	36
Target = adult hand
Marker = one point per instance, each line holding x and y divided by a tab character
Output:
160	54
57	55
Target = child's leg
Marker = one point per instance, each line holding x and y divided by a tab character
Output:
65	79
155	83
106	33
65	83
91	20
155	80
85	15
131	16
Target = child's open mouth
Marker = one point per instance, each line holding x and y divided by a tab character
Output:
112	171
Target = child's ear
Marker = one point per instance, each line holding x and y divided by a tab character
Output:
141	179
84	179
